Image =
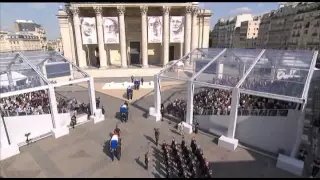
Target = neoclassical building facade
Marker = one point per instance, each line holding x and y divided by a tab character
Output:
106	35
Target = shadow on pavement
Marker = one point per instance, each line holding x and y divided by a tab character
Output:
149	139
140	163
106	148
158	159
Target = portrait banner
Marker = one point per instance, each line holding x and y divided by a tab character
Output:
88	30
111	30
154	29
176	29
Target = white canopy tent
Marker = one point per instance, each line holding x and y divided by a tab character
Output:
29	66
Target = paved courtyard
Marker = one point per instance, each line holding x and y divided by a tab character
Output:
83	152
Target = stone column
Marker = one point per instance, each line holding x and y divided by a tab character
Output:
76	21
187	30
102	51
144	35
165	35
195	27
123	46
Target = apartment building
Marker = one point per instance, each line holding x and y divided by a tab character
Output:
306	27
249	33
226	32
30	27
10	42
281	26
263	31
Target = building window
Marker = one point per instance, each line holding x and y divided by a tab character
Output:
248	34
254	33
257	28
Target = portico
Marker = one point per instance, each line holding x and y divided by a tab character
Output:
133	47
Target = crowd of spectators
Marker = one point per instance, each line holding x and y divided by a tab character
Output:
36	103
33	103
209	101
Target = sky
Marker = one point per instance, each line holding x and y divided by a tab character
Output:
45	13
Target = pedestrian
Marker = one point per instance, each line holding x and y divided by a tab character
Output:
132	78
119	149
146	159
196	127
156	135
162	111
98	102
315	167
183	143
141	81
102	110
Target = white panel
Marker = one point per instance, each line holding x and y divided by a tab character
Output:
18	126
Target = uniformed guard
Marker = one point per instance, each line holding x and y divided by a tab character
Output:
132	78
73	120
193	144
183	143
141	80
156	134
146	159
162	111
98	102
196	127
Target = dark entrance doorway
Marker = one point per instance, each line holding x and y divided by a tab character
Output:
135	53
171	53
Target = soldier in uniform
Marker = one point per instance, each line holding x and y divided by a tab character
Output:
156	134
141	79
193	144
119	149
146	159
117	131
315	167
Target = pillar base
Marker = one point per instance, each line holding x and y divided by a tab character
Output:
228	143
153	115
145	66
187	128
124	66
59	132
290	164
98	117
9	151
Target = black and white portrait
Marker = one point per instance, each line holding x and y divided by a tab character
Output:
88	30
155	29
111	30
176	29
